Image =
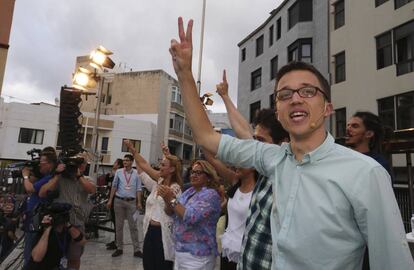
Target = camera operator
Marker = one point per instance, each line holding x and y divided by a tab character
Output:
52	244
47	164
74	189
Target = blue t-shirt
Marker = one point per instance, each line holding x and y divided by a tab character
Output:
34	199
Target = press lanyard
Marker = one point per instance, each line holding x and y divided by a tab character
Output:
128	180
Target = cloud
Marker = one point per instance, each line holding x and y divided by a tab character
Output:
48	35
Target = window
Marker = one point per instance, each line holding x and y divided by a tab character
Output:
397	111
386	109
339	14
171	120
384	50
278	28
404	48
272	103
176	122
254	109
256	79
273	67
187	152
32	136
271	31
405	110
300	11
400	3
340	67
187	130
259	45
340	122
300	50
379	2
243	54
176	95
104	145
135	143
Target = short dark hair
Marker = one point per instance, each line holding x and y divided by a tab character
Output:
266	118
50	154
119	163
129	156
373	123
298	65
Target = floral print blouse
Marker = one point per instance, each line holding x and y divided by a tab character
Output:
195	233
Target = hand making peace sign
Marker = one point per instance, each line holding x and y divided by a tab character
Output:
182	51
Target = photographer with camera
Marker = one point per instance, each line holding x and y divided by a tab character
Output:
52	243
74	188
32	185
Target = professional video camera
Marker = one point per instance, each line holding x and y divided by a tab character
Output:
58	211
72	164
33	164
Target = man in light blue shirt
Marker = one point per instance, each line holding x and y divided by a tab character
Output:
126	188
330	202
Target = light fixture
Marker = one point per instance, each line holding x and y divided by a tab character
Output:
100	59
206	100
83	79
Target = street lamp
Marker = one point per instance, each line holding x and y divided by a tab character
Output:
85	79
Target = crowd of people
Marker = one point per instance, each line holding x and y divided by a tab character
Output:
295	198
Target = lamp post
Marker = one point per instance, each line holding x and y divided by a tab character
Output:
85	79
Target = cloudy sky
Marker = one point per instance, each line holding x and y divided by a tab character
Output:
47	35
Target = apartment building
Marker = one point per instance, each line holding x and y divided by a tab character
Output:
6	18
372	61
152	96
295	30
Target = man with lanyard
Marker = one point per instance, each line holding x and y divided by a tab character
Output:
126	188
330	202
47	164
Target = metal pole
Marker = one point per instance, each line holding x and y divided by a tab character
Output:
96	156
200	59
200	56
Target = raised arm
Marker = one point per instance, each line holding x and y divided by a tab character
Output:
142	164
239	124
221	168
181	53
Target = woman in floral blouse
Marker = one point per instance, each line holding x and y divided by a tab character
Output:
195	213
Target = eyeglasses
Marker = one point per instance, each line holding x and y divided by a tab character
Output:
304	92
198	173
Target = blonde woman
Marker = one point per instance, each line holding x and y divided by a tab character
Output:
196	213
158	244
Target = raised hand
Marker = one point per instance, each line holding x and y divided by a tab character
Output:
182	51
223	87
129	145
165	149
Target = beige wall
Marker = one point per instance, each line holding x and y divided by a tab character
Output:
364	83
6	18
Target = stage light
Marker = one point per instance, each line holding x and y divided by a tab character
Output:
100	59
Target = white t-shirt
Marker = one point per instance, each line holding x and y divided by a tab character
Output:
237	211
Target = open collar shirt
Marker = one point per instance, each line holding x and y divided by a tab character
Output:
124	188
326	207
